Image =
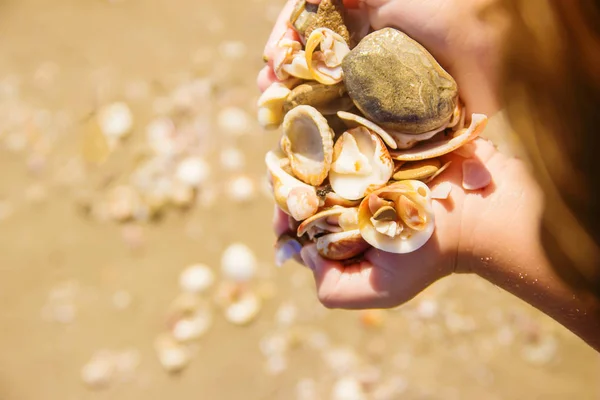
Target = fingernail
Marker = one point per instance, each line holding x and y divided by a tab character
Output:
309	255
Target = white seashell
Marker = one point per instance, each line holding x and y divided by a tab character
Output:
270	105
308	143
412	212
437	148
286	51
475	175
238	263
98	372
115	120
233	120
232	159
321	220
285	249
196	278
192	327
193	171
441	191
361	162
172	356
244	309
407	141
241	189
325	65
293	196
341	245
353	120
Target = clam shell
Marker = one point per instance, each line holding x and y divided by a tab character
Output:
360	163
308	143
436	148
347	219
270	105
293	196
353	120
342	245
418	169
325	65
412	192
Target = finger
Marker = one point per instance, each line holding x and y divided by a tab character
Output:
280	29
265	78
280	222
346	286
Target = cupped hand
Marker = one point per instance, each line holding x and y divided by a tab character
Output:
469	226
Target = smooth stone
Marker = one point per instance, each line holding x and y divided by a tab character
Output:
396	83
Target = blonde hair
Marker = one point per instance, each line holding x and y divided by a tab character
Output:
550	87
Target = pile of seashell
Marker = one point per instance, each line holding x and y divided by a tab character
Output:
364	127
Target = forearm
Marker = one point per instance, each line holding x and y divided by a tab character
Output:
524	271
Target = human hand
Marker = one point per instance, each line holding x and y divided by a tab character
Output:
470	226
452	30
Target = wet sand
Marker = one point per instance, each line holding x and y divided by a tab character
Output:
74	282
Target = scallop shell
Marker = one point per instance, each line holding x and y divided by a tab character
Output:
325	65
360	163
294	197
437	148
308	143
397	218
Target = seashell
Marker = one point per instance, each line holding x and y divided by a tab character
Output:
303	16
293	196
342	245
441	191
333	199
438	172
289	60
342	239
353	120
418	169
327	99
360	162
397	218
270	105
444	145
286	248
308	143
475	175
325	65
408	141
238	263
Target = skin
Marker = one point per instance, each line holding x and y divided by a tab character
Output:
498	238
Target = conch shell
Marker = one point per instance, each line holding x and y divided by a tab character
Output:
294	197
361	163
308	143
397	218
325	65
340	237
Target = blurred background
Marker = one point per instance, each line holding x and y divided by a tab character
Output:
136	252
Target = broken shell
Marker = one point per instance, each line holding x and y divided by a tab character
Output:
418	169
438	172
270	105
293	196
308	142
441	191
286	248
353	120
410	227
408	141
327	99
475	175
342	245
437	148
325	65
360	163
